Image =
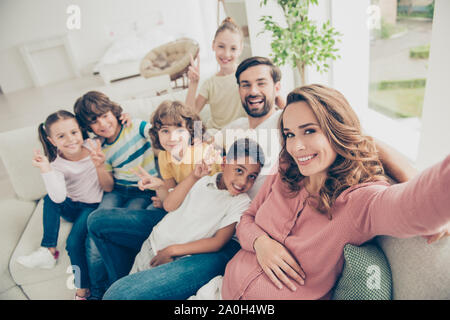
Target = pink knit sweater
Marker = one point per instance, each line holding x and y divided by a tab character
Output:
418	207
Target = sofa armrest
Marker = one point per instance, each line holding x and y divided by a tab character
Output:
14	217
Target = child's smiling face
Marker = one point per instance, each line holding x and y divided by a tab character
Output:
66	136
228	47
174	139
239	175
106	126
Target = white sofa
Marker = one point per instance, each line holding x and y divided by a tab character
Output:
419	271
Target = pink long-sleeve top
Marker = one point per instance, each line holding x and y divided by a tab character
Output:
418	207
76	180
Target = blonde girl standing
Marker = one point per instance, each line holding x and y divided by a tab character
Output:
221	90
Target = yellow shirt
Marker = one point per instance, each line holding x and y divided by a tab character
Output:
180	170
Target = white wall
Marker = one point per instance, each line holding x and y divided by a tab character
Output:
435	135
23	21
260	42
350	74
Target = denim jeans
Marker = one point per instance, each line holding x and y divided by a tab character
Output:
126	197
118	234
97	272
176	280
76	212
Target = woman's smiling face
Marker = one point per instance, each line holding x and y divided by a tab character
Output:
306	143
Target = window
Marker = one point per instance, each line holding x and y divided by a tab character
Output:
399	50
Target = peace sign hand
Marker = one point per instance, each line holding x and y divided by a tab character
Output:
97	155
40	161
147	180
194	70
201	170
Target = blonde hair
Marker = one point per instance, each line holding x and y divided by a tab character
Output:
229	24
357	159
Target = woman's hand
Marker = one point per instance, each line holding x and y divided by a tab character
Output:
445	232
194	70
97	155
147	180
163	256
40	161
277	263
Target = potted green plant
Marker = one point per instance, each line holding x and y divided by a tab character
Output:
301	43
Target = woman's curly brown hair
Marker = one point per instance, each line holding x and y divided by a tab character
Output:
357	159
175	113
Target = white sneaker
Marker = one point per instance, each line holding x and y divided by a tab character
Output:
41	258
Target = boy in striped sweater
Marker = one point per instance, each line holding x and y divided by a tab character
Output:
125	148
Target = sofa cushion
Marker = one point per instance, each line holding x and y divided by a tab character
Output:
143	108
13	220
366	274
53	289
419	270
30	241
16	150
13	294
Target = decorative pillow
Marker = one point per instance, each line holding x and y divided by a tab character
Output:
366	274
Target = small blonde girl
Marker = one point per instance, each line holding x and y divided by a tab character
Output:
75	177
221	90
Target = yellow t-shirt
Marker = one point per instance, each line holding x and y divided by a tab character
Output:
180	170
222	95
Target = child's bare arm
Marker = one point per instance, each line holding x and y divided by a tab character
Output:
163	192
175	198
213	244
196	103
105	178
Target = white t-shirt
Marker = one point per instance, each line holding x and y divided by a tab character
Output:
266	134
204	211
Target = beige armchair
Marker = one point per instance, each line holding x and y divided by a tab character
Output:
172	58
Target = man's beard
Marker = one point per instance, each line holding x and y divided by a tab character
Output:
257	113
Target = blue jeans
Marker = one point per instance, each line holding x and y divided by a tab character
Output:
118	234
76	212
176	280
126	197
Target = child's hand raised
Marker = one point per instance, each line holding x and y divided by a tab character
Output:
97	155
40	161
211	155
194	70
147	180
201	170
